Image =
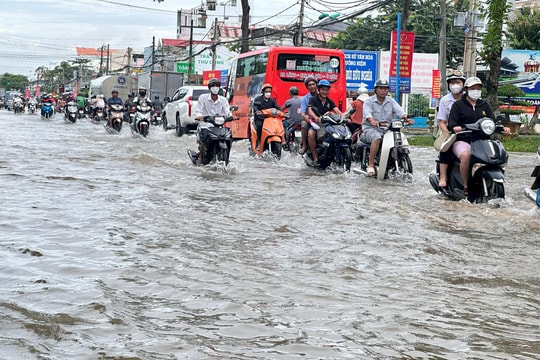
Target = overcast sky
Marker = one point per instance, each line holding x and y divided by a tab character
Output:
45	32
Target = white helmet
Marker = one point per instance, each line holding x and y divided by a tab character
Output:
362	90
473	80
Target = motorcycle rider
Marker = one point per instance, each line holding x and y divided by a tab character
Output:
311	85
468	110
114	99
355	120
262	102
128	105
323	104
379	108
209	104
157	104
454	80
143	97
97	103
293	106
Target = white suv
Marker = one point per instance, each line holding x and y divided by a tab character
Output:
180	110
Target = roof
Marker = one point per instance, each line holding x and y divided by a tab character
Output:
183	42
84	51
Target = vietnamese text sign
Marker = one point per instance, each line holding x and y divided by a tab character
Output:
436	84
361	67
406	51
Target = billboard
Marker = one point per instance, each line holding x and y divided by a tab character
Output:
522	69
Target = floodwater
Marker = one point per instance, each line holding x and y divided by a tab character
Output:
116	247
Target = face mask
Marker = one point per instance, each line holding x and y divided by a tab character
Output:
214	90
142	93
267	95
456	89
474	94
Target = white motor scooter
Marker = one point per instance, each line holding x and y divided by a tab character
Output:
393	160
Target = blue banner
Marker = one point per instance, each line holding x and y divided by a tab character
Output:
361	67
404	85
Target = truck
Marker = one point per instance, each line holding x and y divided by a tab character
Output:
104	85
161	83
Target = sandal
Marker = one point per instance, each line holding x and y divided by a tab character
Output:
370	171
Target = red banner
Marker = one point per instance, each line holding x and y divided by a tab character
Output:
38	88
436	84
210	74
406	50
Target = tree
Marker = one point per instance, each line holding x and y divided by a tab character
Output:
13	82
524	29
492	48
423	16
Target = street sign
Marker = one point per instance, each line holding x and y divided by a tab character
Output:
361	67
183	67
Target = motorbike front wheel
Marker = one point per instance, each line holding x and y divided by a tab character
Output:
275	148
347	158
143	129
493	189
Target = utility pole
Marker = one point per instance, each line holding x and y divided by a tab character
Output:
190	50
128	60
108	59
469	51
300	34
101	62
442	47
153	53
214	44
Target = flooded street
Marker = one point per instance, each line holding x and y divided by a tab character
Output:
116	247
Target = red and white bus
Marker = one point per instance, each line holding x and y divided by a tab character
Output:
282	67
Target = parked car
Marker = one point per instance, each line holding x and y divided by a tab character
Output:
179	112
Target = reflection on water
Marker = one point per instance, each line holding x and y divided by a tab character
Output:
116	247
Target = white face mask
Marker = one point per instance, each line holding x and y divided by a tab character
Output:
214	90
474	94
456	89
267	95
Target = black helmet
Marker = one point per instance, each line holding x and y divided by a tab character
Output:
382	83
213	82
293	90
308	79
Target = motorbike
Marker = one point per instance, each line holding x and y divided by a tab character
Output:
81	112
32	107
293	137
141	122
47	110
71	114
392	160
116	117
99	114
156	117
18	107
533	192
486	169
218	141
272	134
335	148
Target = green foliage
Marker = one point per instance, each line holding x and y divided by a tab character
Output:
524	29
510	91
373	33
418	105
13	82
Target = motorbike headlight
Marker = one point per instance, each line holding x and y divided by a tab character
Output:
219	120
488	126
397	124
348	136
335	135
